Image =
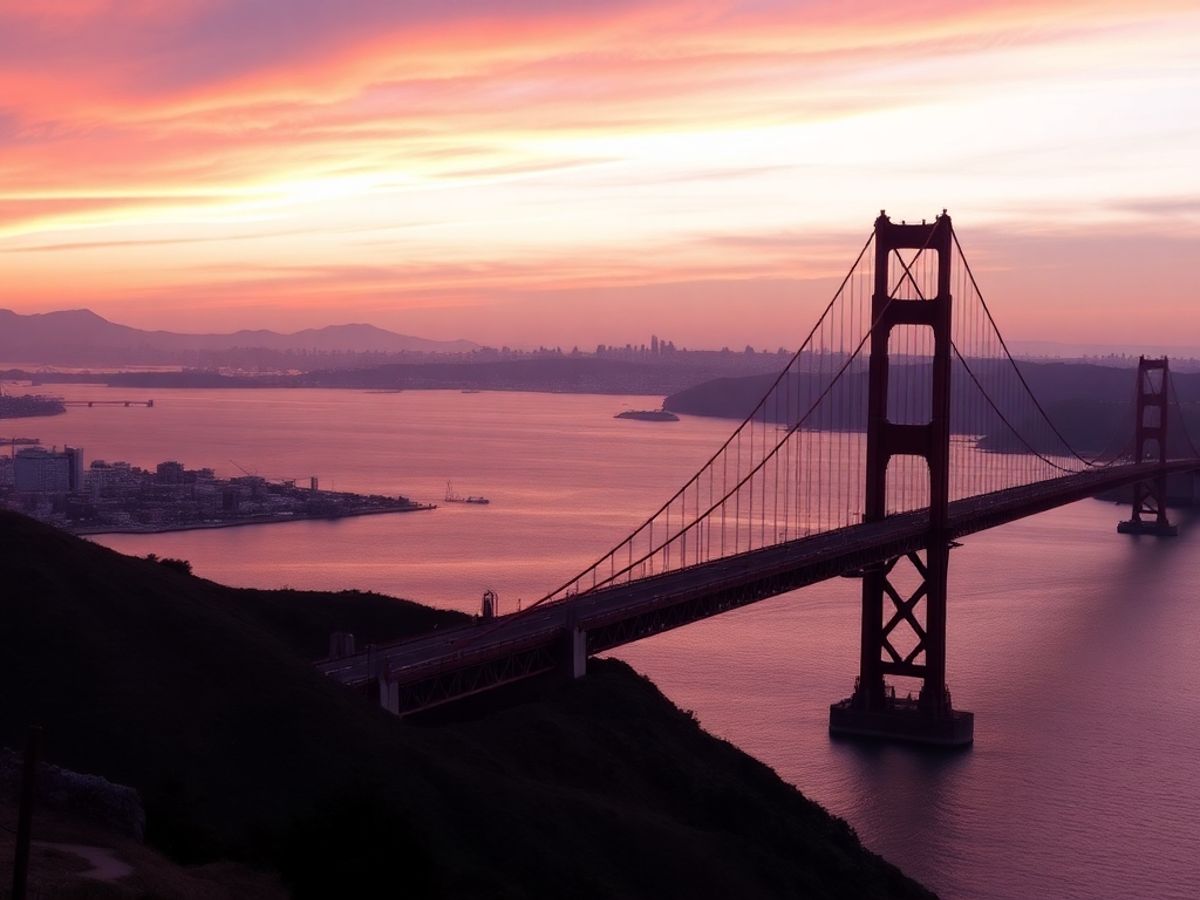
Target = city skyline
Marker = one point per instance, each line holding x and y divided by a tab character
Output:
580	176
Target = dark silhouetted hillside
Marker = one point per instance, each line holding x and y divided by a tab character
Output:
203	698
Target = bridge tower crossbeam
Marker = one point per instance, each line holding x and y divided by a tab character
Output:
873	710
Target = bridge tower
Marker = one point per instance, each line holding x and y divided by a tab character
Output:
1150	443
898	299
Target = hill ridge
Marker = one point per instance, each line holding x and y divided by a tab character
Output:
61	332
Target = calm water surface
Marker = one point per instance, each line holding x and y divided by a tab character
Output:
1074	646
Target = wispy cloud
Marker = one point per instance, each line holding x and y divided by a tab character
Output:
412	154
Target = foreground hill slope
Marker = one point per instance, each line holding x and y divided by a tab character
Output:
203	698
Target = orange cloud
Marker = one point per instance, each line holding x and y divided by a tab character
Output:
246	154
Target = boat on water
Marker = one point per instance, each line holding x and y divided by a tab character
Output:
648	415
452	497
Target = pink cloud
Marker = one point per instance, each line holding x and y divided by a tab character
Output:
116	112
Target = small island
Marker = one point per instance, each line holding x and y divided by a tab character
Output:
648	415
53	487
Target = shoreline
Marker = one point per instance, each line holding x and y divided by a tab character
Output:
257	520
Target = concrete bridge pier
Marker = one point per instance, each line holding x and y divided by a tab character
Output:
379	685
574	647
874	710
389	693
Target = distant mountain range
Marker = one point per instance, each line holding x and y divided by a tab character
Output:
79	336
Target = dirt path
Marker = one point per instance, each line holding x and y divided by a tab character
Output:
104	862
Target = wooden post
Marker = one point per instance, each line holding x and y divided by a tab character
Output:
25	815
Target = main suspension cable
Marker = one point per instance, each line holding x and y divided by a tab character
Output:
1012	362
729	441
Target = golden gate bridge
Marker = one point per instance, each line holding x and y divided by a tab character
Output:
902	424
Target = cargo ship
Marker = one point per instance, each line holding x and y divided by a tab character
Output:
452	497
648	415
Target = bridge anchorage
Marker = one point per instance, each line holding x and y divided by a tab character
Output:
1150	442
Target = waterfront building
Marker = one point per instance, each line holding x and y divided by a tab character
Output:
118	476
52	486
38	470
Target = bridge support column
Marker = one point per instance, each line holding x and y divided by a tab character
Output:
389	694
874	711
1150	496
574	648
380	685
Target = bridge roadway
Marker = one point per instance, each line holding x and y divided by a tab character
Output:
452	663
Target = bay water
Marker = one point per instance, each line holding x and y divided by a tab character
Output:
1073	645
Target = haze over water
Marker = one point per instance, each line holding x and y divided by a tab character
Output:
1073	645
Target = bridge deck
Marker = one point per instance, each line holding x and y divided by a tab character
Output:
456	662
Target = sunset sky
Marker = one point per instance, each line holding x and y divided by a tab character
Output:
535	171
